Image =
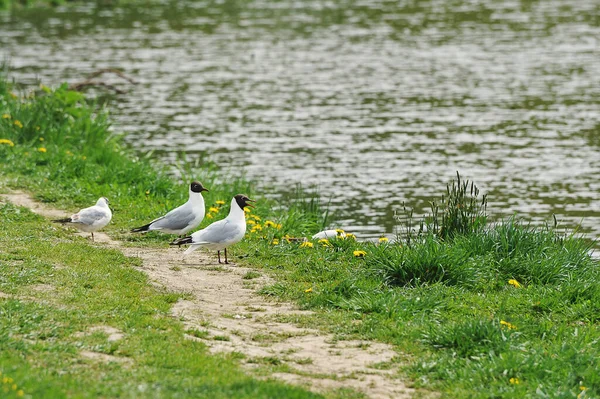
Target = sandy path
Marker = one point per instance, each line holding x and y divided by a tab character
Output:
225	308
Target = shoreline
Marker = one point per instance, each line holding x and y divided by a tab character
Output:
462	301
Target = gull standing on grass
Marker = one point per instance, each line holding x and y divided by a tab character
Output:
183	219
90	219
222	234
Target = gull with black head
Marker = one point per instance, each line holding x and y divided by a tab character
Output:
90	219
223	233
183	219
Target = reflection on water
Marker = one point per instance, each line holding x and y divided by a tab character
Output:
378	102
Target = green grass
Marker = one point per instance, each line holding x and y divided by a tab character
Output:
450	305
65	154
440	294
41	332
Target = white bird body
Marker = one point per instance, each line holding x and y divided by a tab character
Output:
326	234
90	219
182	219
221	234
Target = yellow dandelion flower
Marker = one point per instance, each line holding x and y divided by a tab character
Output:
350	235
213	209
220	202
582	388
18	124
325	242
250	222
306	244
147	192
383	239
14	387
7	142
68	152
275	241
256	217
5	116
508	325
257	227
308	290
514	381
278	226
359	254
41	139
339	232
514	283
248	209
209	216
270	223
20	393
41	149
287	237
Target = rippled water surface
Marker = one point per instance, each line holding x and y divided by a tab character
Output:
377	102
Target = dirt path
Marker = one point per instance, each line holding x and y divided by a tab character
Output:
228	315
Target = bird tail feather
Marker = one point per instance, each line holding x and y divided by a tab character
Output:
145	227
182	241
65	220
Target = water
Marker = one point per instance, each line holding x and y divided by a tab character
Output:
377	102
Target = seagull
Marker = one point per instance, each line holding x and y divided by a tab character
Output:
183	219
333	233
90	219
222	234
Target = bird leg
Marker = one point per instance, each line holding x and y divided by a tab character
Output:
219	255
226	256
92	236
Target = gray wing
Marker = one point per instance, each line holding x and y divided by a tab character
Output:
218	232
89	216
177	219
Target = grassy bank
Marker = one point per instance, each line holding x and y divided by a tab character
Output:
58	289
482	310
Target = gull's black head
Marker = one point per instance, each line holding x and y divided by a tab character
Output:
243	201
197	187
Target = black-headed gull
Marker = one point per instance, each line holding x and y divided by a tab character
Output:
223	233
90	219
183	219
325	234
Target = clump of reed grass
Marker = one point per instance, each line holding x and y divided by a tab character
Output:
460	210
455	246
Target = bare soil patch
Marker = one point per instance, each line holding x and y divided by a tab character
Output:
104	358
